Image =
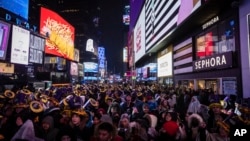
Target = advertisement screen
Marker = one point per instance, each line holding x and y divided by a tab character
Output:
4	37
73	69
18	7
187	8
165	65
36	49
162	17
6	68
152	67
139	36
61	63
135	8
90	67
145	72
20	45
126	17
60	34
77	55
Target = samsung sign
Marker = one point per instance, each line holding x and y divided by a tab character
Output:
218	61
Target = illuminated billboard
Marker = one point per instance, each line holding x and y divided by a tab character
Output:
90	45
163	17
126	15
36	50
73	69
20	45
60	34
165	65
77	55
18	7
139	36
90	67
6	68
4	38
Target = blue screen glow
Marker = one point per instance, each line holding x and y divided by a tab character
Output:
18	7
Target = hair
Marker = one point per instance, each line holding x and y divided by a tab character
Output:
97	115
106	126
174	116
82	121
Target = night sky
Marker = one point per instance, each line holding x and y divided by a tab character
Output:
113	34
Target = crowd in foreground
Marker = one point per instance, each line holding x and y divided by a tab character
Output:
112	112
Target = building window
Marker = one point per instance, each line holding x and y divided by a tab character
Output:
218	39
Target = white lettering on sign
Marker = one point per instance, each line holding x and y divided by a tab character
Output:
240	132
211	62
210	22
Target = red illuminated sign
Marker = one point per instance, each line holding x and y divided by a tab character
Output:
60	33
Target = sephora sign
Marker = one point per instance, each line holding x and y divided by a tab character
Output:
217	61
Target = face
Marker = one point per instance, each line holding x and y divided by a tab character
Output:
45	126
216	110
125	122
128	99
65	138
145	109
165	102
76	119
96	120
168	117
104	135
19	121
19	109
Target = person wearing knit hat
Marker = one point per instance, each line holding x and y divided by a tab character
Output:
49	133
123	126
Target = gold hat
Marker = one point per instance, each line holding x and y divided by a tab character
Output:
214	105
36	107
9	94
80	112
139	94
26	91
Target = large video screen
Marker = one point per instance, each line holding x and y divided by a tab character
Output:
18	7
6	68
20	45
73	69
90	67
4	37
165	67
36	49
161	20
139	36
60	34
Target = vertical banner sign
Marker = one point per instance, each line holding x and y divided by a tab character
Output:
20	45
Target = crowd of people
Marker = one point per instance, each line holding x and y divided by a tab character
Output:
119	112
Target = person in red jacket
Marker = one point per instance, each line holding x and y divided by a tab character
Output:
106	132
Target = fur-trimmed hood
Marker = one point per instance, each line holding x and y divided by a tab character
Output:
197	116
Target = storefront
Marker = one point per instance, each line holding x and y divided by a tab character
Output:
209	59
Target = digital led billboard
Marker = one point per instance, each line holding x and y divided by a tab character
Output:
36	50
4	37
20	45
90	67
18	7
60	34
139	36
